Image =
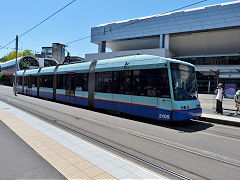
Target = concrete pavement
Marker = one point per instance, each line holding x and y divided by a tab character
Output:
210	139
73	157
19	161
208	103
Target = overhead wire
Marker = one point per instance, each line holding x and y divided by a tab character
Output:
21	49
135	22
39	23
112	29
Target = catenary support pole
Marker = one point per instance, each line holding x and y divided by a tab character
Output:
16	64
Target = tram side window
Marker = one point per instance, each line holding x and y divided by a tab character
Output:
164	88
29	79
151	82
104	82
61	81
71	82
46	81
82	82
25	80
122	82
34	81
19	80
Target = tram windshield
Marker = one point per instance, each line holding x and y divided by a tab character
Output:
183	81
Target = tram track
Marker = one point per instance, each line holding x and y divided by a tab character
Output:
67	127
150	138
223	134
212	132
145	137
209	132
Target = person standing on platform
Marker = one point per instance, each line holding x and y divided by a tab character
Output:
219	98
237	101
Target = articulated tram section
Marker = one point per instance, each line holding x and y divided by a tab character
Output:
159	99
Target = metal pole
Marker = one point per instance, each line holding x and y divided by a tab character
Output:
209	85
16	65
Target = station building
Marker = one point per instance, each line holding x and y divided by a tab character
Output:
208	37
57	51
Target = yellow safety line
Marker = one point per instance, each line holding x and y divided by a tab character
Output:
69	164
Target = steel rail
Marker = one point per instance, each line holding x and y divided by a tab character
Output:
152	140
158	167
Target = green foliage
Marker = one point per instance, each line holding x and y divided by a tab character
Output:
12	55
25	64
27	52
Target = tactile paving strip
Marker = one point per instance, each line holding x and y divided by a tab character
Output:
65	161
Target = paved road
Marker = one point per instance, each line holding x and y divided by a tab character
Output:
147	139
19	161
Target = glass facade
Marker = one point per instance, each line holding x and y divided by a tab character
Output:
217	60
46	52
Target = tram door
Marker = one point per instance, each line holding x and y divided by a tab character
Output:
164	107
70	89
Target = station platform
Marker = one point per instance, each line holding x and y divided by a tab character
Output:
208	103
71	156
20	161
226	118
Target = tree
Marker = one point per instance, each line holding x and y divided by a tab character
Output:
12	55
27	52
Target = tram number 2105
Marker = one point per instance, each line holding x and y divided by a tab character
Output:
164	116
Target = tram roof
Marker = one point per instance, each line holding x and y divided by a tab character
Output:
143	58
47	70
115	64
135	62
32	72
179	61
74	68
20	73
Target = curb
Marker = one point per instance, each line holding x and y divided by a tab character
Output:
220	121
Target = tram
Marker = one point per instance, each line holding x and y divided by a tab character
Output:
141	85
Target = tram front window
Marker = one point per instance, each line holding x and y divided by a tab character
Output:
183	81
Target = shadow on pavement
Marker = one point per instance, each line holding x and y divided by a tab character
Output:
184	126
191	126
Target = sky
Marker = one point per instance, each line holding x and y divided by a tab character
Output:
74	22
